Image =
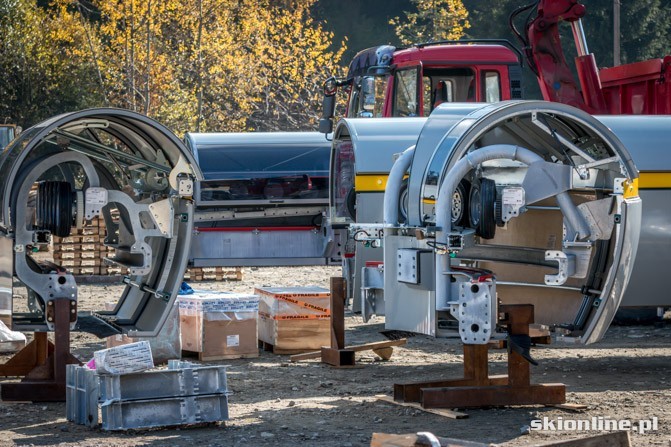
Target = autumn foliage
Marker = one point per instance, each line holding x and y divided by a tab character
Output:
433	20
207	65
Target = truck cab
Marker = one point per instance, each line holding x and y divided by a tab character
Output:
387	82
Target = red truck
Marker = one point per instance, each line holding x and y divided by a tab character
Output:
388	82
639	88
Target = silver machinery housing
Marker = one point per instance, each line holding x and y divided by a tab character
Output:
513	202
118	165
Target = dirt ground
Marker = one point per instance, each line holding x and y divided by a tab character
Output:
277	403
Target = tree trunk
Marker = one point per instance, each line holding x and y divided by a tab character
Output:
147	98
199	67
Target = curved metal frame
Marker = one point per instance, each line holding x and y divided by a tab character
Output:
158	231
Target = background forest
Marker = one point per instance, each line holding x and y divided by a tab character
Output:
233	65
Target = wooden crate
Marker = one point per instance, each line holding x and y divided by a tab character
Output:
219	339
294	319
214	274
293	336
218	325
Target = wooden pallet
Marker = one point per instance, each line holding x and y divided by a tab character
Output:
77	239
214	274
271	348
383	349
77	255
72	263
82	252
113	270
202	357
84	271
69	248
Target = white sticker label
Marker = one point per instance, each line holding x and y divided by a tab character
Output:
232	340
513	196
96	196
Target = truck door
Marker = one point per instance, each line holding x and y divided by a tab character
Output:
448	84
406	99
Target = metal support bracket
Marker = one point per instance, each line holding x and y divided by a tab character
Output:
566	265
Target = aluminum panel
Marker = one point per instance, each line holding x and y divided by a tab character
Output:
6	274
369	210
409	307
190	381
407	265
253	247
653	257
376	140
164	412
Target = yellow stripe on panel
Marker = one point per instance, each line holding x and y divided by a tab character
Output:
370	182
654	180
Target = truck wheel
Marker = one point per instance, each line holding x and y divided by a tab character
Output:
460	204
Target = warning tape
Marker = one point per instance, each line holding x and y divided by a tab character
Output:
294	317
292	300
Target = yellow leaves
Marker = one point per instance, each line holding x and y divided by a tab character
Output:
434	20
225	65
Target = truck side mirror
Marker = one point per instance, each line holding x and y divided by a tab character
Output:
326	121
328	110
368	93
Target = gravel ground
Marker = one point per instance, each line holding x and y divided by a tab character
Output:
277	403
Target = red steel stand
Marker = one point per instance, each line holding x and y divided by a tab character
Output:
337	355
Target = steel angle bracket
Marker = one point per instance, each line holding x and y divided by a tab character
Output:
566	264
372	292
544	180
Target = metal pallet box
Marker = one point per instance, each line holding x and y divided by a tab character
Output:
185	393
81	395
179	380
123	415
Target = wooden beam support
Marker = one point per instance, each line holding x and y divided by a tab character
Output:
45	381
373	346
477	388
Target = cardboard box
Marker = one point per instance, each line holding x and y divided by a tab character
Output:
6	309
294	319
219	325
165	346
6	318
134	357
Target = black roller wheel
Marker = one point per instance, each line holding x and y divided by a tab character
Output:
54	207
403	203
474	205
350	201
486	228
